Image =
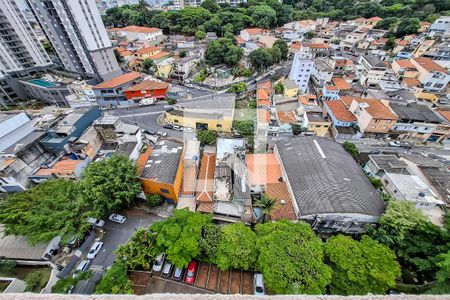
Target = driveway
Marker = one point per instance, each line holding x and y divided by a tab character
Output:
117	234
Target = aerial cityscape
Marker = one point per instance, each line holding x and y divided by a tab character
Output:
213	147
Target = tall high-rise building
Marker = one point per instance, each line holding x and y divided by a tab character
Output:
20	51
76	31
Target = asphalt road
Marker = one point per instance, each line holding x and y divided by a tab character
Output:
117	234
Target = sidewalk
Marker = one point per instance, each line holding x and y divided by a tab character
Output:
51	282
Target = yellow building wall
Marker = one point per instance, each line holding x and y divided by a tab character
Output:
320	129
290	92
164	71
226	124
150	186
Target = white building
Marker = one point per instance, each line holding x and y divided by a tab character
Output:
301	68
432	76
372	70
82	95
140	33
441	25
76	31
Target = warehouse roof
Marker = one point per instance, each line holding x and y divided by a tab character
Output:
415	112
325	179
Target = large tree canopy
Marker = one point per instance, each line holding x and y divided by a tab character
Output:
237	247
109	185
43	212
223	51
291	258
179	236
361	267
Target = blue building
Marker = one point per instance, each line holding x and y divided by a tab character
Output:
69	129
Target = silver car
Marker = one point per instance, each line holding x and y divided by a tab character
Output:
157	266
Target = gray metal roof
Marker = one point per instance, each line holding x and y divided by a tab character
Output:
439	178
325	179
374	61
415	112
389	163
162	165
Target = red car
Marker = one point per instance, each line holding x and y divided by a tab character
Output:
191	272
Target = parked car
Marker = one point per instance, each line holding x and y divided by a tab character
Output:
147	101
191	272
168	126
157	266
178	273
94	222
167	269
83	266
163	134
177	128
95	249
187	129
258	284
395	144
117	218
149	131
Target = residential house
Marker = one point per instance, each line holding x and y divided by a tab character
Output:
205	182
148	35
403	68
328	188
147	52
322	72
302	68
372	71
69	129
183	67
65	168
440	26
374	117
423	47
290	88
111	92
207	112
250	34
432	76
315	122
162	169
147	89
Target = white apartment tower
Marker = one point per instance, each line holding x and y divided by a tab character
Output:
301	68
20	50
76	31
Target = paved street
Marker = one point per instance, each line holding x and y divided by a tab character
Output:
117	234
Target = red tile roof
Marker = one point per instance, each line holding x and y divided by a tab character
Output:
263	168
254	31
429	65
140	29
287	117
118	81
341	84
205	182
405	63
147	85
377	109
340	111
146	50
410	82
283	207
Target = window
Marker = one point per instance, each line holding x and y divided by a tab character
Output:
175	121
164	191
219	125
438	85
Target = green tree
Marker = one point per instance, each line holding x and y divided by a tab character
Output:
275	52
361	267
210	240
237	88
237	247
387	23
115	281
210	5
267	205
284	48
297	129
43	212
147	65
297	254
264	16
279	88
244	127
109	185
140	251
309	35
442	285
33	281
180	235
375	182
207	137
154	200
407	26
200	35
183	53
351	148
7	265
223	51
261	59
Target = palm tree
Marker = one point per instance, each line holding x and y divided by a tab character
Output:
267	205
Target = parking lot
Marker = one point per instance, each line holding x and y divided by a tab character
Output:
116	234
209	279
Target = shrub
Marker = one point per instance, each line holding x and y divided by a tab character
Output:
154	200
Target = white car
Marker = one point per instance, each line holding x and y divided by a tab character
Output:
117	218
187	129
95	249
83	266
258	283
395	144
157	266
94	222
